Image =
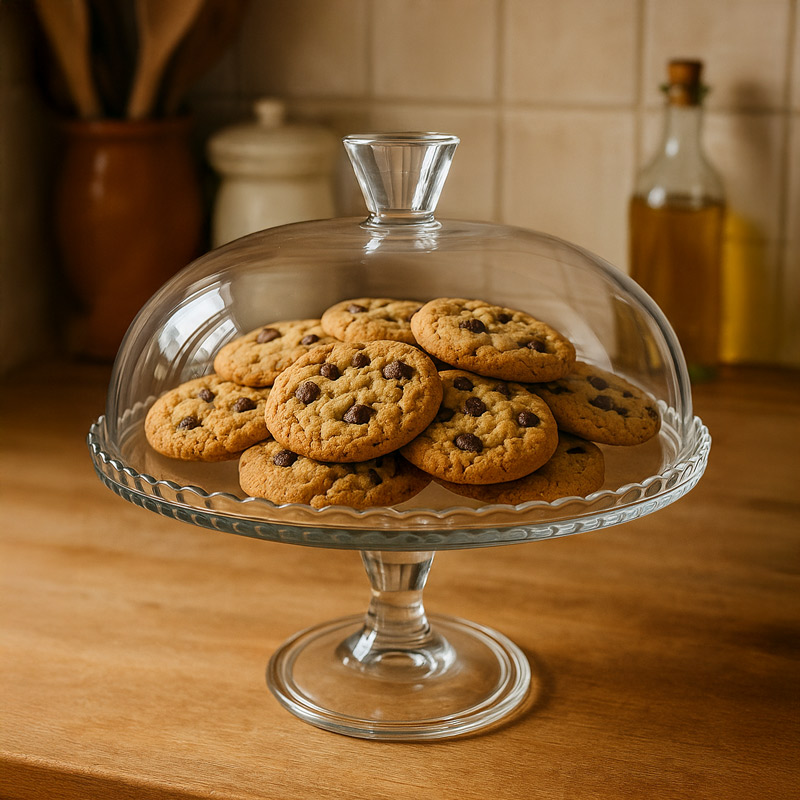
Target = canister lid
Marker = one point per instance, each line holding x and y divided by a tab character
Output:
270	147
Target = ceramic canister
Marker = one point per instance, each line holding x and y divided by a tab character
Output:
272	172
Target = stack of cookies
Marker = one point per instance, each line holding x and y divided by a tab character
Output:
367	405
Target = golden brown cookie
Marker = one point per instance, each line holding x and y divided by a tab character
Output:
576	469
354	401
492	340
368	319
207	419
486	431
600	406
258	357
269	470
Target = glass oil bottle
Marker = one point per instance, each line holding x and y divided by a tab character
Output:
676	221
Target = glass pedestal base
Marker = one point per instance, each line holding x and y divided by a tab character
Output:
463	679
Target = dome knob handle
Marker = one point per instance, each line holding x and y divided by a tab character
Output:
401	174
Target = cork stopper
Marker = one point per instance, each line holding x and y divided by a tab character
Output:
685	87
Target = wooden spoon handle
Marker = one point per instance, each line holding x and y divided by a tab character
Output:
211	34
66	24
162	24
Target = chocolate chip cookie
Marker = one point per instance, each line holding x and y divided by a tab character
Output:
352	401
282	476
492	340
258	357
600	406
368	319
576	469
207	419
486	431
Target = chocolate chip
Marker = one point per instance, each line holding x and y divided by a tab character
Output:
444	414
652	412
357	414
575	450
503	388
503	318
329	371
603	402
244	404
535	344
396	370
474	406
309	339
206	395
187	423
284	458
623	412
267	335
464	384
627	394
307	392
598	382
354	308
469	442
527	419
376	479
473	325
360	360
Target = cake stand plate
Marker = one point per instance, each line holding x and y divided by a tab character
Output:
396	673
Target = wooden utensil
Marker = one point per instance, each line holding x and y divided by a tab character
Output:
212	32
161	26
113	59
66	24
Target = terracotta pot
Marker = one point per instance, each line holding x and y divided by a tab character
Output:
128	216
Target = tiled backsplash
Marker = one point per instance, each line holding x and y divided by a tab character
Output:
557	105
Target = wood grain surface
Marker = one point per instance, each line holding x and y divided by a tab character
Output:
134	647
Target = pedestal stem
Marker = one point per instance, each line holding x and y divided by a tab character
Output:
393	675
396	640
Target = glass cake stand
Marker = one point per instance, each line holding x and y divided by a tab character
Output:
397	673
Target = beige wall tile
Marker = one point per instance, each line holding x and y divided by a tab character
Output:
747	151
743	44
570	173
750	329
570	51
305	47
434	49
793	172
469	192
795	51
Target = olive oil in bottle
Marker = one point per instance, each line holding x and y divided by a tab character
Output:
676	225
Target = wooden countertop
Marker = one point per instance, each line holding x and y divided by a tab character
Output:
134	646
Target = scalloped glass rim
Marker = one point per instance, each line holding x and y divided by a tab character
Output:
454	527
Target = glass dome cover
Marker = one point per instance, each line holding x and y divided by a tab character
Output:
401	250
